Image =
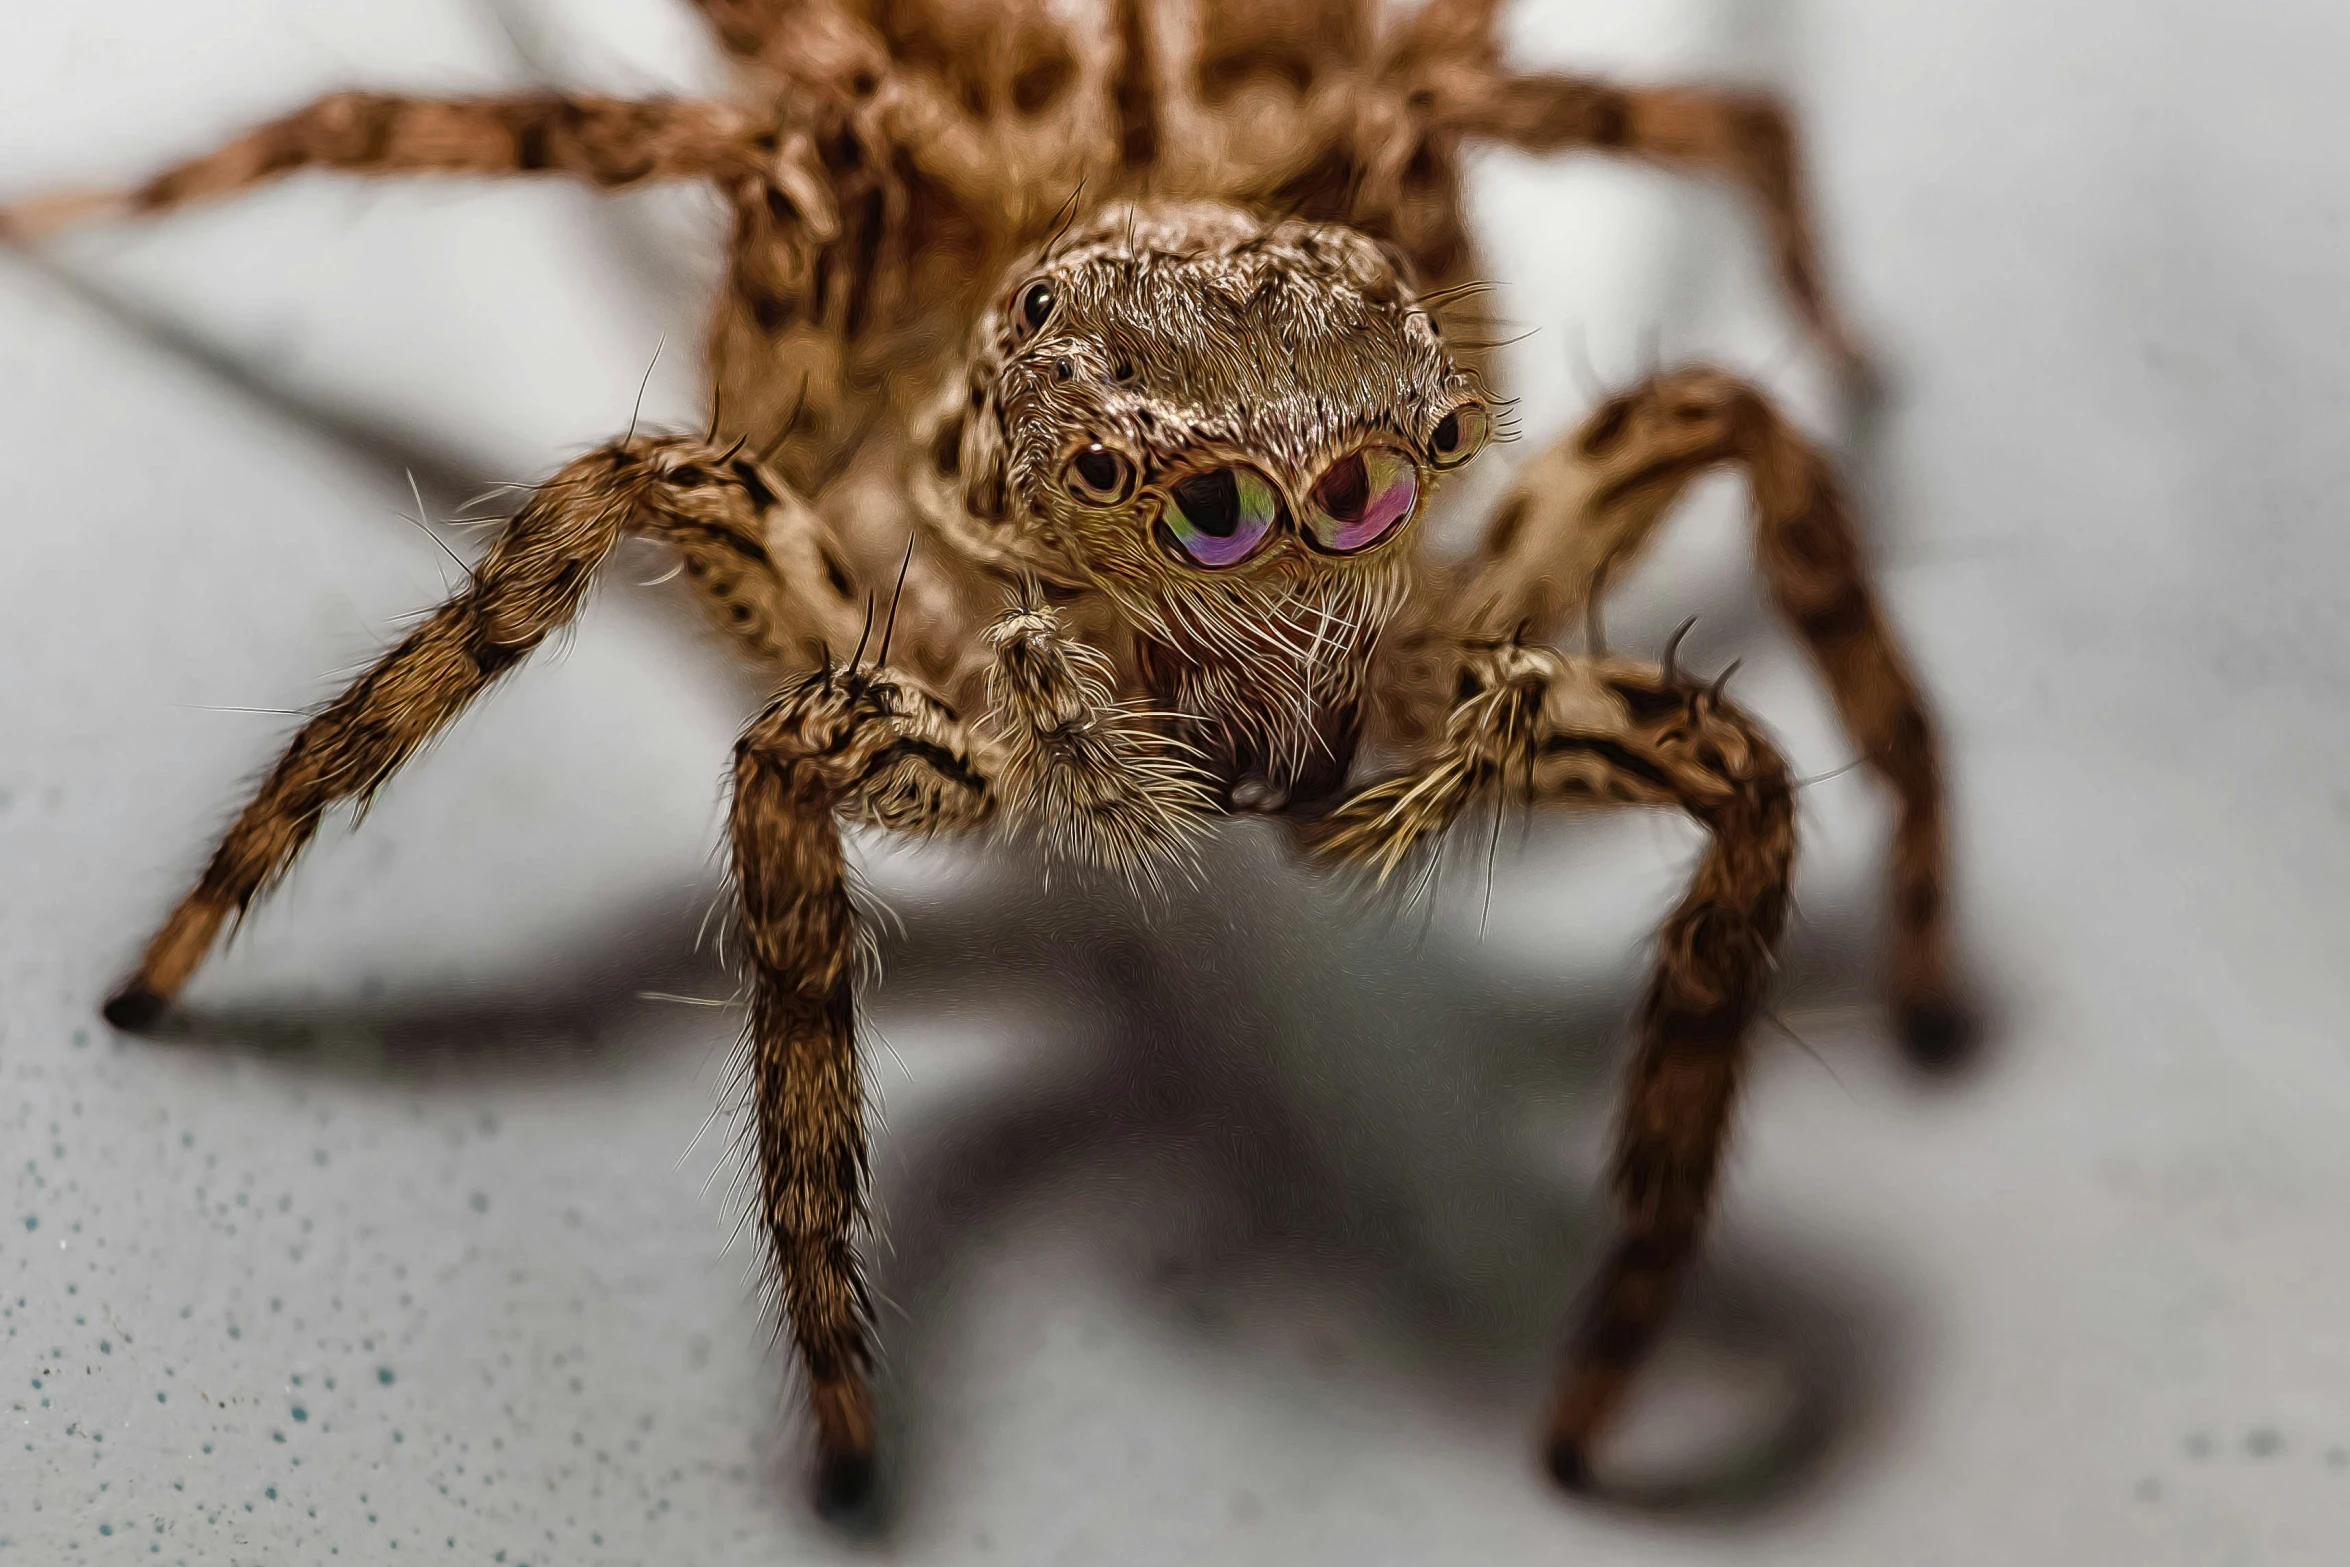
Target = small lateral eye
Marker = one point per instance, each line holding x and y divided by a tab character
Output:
1033	309
1459	435
1098	476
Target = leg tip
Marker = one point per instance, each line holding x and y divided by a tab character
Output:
1937	1035
134	1009
844	1482
1568	1465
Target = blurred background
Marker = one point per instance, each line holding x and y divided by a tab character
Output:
1237	1230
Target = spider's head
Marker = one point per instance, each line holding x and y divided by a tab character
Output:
1228	427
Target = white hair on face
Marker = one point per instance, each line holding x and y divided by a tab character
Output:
1267	662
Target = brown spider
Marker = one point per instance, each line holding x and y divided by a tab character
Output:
1119	351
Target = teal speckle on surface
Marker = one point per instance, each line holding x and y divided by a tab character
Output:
383	1374
32	1221
300	1413
106	1528
271	1493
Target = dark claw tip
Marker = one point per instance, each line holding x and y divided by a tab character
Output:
134	1009
1568	1466
1936	1035
844	1482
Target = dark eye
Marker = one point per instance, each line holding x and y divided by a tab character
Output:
1459	435
1220	517
1099	476
1034	309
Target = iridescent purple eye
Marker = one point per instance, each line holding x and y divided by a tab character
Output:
1220	517
1361	499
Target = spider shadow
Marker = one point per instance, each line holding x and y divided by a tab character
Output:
1333	1147
594	1012
1335	1142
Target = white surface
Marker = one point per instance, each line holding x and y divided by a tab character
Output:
1240	1235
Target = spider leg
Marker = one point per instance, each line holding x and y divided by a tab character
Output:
865	745
1581	731
610	143
532	580
1746	138
1583	509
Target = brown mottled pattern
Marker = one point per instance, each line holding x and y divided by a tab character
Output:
530	582
852	743
1245	217
1537	727
611	143
1586	507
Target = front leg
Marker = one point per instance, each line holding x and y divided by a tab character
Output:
708	501
834	747
1581	512
1549	729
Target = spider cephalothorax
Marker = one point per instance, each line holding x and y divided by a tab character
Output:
1228	426
1162	462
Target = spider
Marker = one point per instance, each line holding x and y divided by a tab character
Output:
1126	361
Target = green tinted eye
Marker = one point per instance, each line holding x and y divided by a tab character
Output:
1221	517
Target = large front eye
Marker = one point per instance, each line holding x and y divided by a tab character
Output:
1032	310
1360	499
1220	517
1098	476
1459	435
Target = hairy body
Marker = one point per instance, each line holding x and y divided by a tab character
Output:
1121	364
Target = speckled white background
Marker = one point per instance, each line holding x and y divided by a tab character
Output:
1238	1232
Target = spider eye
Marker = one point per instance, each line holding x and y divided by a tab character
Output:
1098	476
1221	517
1459	435
1034	309
1360	499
